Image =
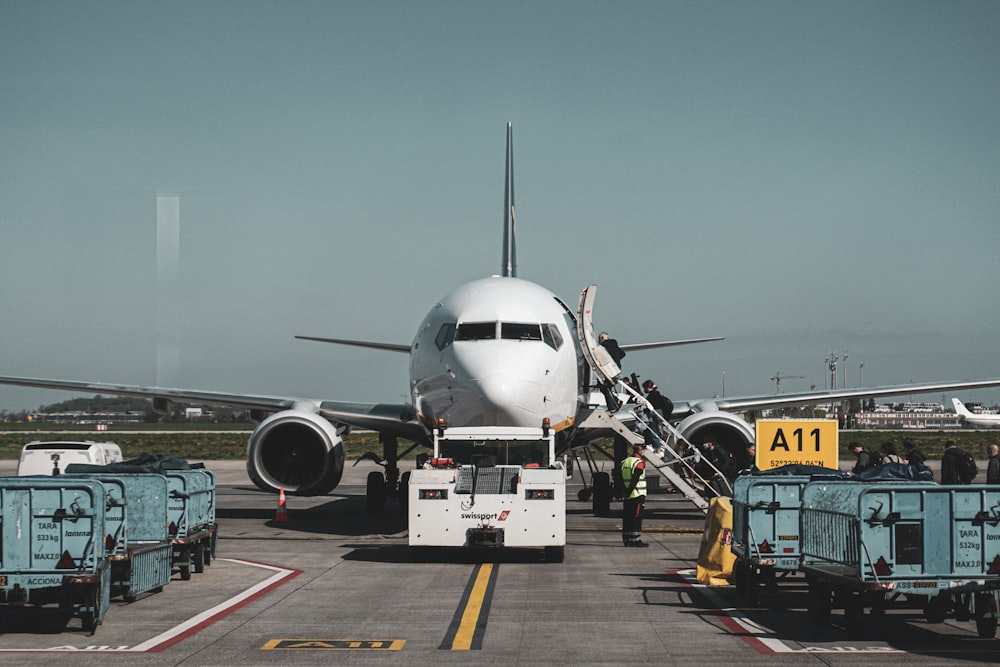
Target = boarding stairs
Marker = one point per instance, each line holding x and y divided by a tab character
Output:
637	422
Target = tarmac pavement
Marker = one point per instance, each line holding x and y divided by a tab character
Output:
334	585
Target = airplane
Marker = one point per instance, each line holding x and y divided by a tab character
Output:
496	351
972	419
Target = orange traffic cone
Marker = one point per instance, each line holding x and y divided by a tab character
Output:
282	513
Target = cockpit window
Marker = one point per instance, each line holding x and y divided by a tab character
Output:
551	336
514	331
445	335
476	331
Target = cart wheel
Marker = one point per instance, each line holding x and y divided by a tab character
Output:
746	584
937	608
89	620
602	493
986	615
854	616
199	558
184	564
963	602
583	495
555	554
89	617
819	603
375	492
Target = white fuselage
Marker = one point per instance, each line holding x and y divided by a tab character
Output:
497	352
973	419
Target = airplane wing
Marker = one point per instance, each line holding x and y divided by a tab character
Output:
745	403
391	347
395	419
631	347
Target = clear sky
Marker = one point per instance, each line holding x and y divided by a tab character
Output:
803	178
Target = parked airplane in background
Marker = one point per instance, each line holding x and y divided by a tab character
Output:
498	351
972	419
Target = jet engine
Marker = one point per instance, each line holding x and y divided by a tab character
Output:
297	451
725	429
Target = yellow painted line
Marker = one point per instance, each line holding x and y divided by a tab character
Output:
334	645
470	617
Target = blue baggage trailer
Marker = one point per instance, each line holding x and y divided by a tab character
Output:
864	541
766	506
191	518
765	530
140	548
52	546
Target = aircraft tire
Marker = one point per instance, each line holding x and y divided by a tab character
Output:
375	493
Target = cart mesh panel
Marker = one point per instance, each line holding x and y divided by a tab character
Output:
489	481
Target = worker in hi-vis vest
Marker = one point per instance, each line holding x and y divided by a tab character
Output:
634	478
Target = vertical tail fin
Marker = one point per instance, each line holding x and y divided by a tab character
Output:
509	268
960	408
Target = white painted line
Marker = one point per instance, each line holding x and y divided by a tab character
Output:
191	626
759	637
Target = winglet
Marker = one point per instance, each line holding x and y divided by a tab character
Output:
509	268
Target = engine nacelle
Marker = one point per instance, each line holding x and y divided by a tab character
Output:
297	451
723	428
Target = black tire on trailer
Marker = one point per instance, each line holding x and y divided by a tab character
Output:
199	557
986	615
91	618
819	604
746	584
555	554
854	616
184	566
936	609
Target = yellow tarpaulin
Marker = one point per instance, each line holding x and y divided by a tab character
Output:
716	559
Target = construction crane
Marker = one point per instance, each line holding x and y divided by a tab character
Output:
778	377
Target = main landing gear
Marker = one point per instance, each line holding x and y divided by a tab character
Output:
383	486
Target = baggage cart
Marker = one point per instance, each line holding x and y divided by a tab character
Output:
140	550
939	544
52	546
191	519
765	530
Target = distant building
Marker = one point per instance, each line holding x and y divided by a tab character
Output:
129	417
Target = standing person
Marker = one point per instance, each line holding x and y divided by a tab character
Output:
954	465
889	453
691	457
611	345
720	460
658	400
913	455
993	467
634	477
616	354
661	403
865	460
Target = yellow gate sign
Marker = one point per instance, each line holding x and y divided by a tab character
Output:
804	441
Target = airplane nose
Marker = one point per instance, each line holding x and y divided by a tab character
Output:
498	390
